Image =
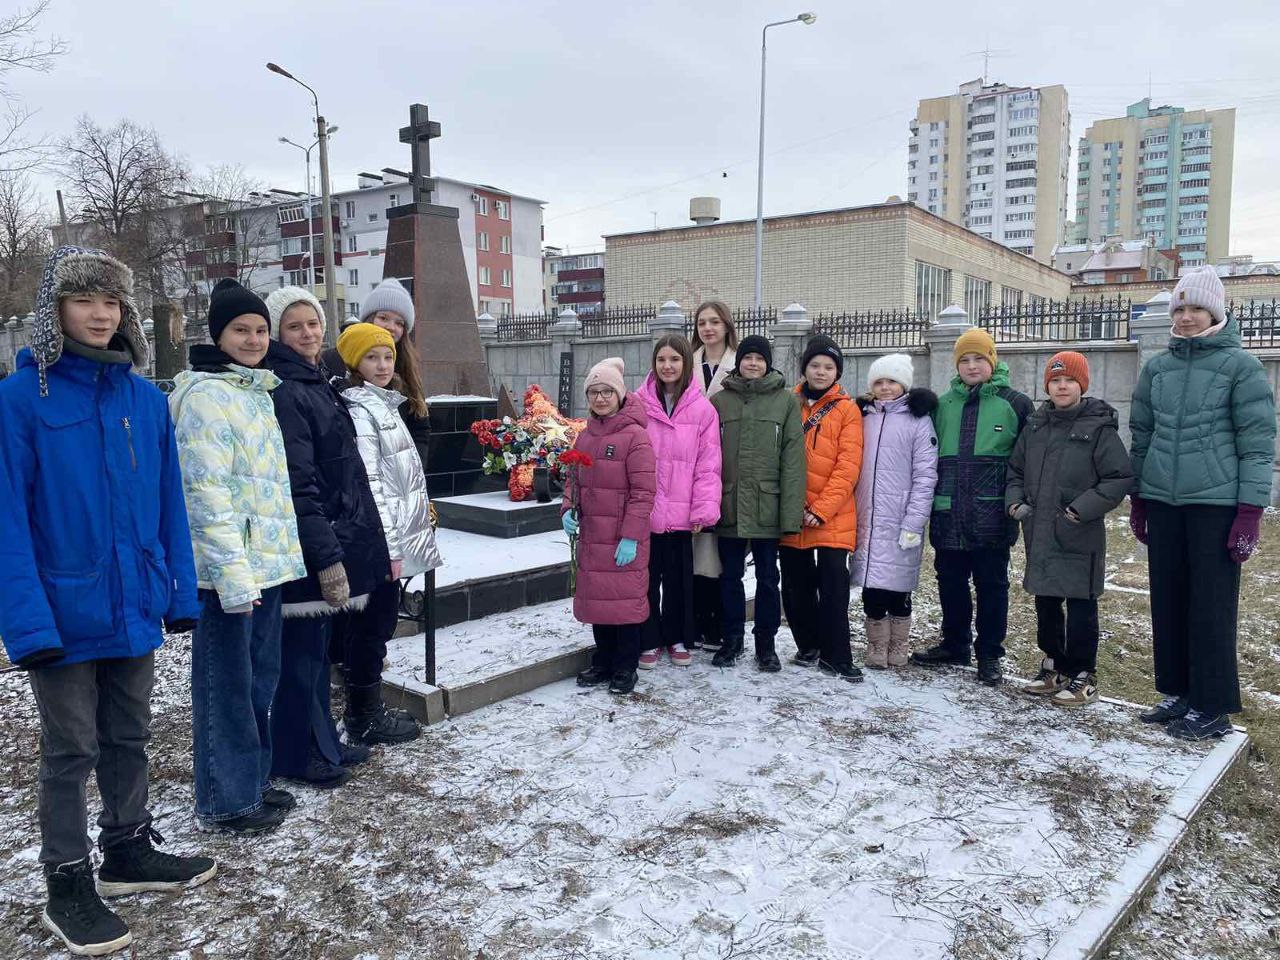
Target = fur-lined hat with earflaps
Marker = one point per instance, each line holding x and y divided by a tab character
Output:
71	270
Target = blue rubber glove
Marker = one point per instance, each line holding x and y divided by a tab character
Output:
569	521
625	553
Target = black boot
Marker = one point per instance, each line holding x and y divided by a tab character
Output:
845	671
76	915
1168	709
369	721
806	658
728	653
135	866
353	754
989	671
593	676
766	656
940	655
263	820
624	681
322	774
283	799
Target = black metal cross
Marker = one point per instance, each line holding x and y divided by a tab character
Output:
419	134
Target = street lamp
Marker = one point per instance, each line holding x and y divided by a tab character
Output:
330	268
311	233
806	19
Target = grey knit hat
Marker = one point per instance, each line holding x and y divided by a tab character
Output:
278	301
70	270
390	295
1201	287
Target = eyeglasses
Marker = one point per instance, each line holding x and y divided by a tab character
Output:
602	393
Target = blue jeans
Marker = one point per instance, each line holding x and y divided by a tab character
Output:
733	560
235	665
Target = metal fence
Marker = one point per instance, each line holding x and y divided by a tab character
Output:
1258	321
882	329
618	322
525	326
1060	320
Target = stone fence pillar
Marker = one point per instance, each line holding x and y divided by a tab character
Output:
669	319
940	339
564	332
488	328
1151	330
790	333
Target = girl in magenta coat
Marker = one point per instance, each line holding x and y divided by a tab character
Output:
615	499
685	433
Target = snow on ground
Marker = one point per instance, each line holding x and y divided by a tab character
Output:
716	813
473	556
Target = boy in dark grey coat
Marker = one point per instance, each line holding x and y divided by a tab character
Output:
1068	470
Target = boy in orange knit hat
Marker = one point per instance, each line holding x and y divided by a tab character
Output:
1069	469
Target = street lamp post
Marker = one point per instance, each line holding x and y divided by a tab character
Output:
805	18
330	268
311	232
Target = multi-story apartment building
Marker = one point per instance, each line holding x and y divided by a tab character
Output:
1162	173
501	236
995	158
573	280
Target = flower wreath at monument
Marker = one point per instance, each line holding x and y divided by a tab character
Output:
537	439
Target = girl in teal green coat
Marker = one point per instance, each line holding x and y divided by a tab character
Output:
1204	426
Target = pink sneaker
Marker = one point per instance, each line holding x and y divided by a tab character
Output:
680	656
649	659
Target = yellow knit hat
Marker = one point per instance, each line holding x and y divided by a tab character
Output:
358	339
976	340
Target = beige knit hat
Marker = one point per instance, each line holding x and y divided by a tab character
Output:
607	373
1201	287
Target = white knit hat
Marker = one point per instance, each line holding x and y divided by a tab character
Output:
1201	287
278	301
389	295
894	366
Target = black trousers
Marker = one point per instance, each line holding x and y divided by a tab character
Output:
300	713
617	646
95	717
989	568
1072	641
706	608
366	632
878	604
815	596
733	595
670	590
1195	598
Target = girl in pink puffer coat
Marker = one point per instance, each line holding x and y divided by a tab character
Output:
685	433
615	498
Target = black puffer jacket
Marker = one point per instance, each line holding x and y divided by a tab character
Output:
337	516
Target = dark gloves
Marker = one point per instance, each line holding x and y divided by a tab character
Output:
1138	517
173	627
1245	532
40	658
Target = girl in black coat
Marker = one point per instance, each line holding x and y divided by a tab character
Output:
342	541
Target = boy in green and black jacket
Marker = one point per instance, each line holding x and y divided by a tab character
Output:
977	421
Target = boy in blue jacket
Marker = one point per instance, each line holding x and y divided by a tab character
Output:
97	555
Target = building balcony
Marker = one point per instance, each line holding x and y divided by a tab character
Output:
591	273
303	229
583	296
221	271
194	258
223	238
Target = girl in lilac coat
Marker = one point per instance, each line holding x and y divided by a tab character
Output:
685	433
615	498
894	493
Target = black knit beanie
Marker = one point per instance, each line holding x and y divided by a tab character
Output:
230	300
823	346
753	344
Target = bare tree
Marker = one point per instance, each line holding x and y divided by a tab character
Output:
24	242
21	49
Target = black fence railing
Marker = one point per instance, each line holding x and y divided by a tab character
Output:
1259	320
618	322
525	326
1057	320
883	329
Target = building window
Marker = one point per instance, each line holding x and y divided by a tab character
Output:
353	308
486	278
933	289
482	240
1010	298
351	244
373	216
504	244
506	278
482	206
351	209
353	277
504	209
977	296
393	200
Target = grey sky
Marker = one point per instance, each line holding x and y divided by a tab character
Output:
611	112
